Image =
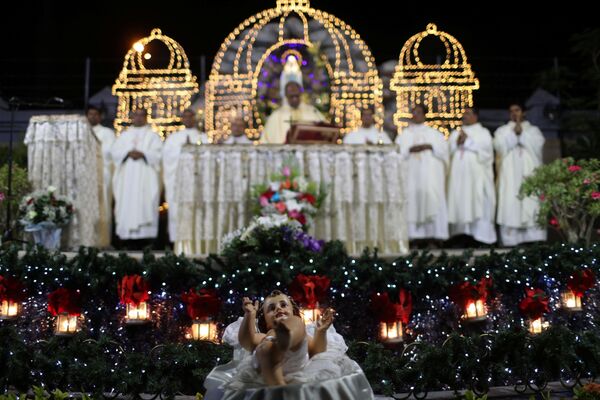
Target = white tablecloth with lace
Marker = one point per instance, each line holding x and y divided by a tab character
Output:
364	206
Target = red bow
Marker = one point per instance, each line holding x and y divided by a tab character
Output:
386	311
534	304
64	301
12	289
202	304
581	281
133	289
465	292
308	290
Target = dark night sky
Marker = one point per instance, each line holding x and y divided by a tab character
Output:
45	44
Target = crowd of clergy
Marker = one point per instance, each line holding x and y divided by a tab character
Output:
463	185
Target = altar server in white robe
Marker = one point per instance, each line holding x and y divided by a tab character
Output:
279	122
519	145
238	132
106	136
471	191
136	182
190	134
425	154
368	133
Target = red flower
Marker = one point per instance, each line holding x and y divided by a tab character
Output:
308	198
596	195
308	290
534	304
574	168
280	206
554	222
202	304
64	300
581	281
133	289
298	216
387	311
465	292
542	197
268	194
12	289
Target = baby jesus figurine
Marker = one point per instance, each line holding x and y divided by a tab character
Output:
277	356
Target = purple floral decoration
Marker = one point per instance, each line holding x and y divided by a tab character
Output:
307	241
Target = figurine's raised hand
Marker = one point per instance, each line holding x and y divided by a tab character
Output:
248	306
326	319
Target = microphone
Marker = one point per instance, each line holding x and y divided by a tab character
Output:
56	100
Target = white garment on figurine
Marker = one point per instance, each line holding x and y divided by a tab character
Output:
242	139
471	191
278	123
330	374
170	157
107	137
520	155
424	183
136	183
371	135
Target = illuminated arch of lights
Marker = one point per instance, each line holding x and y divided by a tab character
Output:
232	85
446	89
165	92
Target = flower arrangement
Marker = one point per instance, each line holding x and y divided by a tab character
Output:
289	194
569	195
45	207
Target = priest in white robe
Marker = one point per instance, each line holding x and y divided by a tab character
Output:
425	154
136	182
292	111
368	133
238	132
171	150
471	191
519	145
106	137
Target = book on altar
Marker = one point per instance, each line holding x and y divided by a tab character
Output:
313	133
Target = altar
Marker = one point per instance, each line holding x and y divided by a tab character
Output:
364	206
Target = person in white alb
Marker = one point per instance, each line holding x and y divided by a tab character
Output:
425	154
190	134
519	145
136	183
471	191
238	132
368	133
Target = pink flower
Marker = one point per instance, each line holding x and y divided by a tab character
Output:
574	168
264	201
596	195
286	171
554	222
586	181
280	207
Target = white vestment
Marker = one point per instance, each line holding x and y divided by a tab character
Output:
170	156
107	137
370	135
519	156
278	123
424	183
136	183
243	139
471	191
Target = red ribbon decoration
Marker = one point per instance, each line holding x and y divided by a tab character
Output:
387	311
581	281
12	289
133	289
201	304
534	304
64	300
309	290
465	292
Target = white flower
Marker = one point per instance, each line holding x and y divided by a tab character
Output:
293	205
31	214
51	189
288	194
274	186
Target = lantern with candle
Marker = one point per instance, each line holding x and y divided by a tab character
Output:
308	291
533	307
12	294
579	282
202	306
65	305
471	299
392	317
134	292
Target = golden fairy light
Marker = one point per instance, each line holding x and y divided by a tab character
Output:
446	88
164	91
232	85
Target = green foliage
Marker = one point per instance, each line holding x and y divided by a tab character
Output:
569	194
591	391
20	187
45	206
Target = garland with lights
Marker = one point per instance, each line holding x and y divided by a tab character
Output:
107	354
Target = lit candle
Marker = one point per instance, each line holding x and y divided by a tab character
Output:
391	332
9	309
476	310
204	330
66	324
571	301
537	326
137	314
